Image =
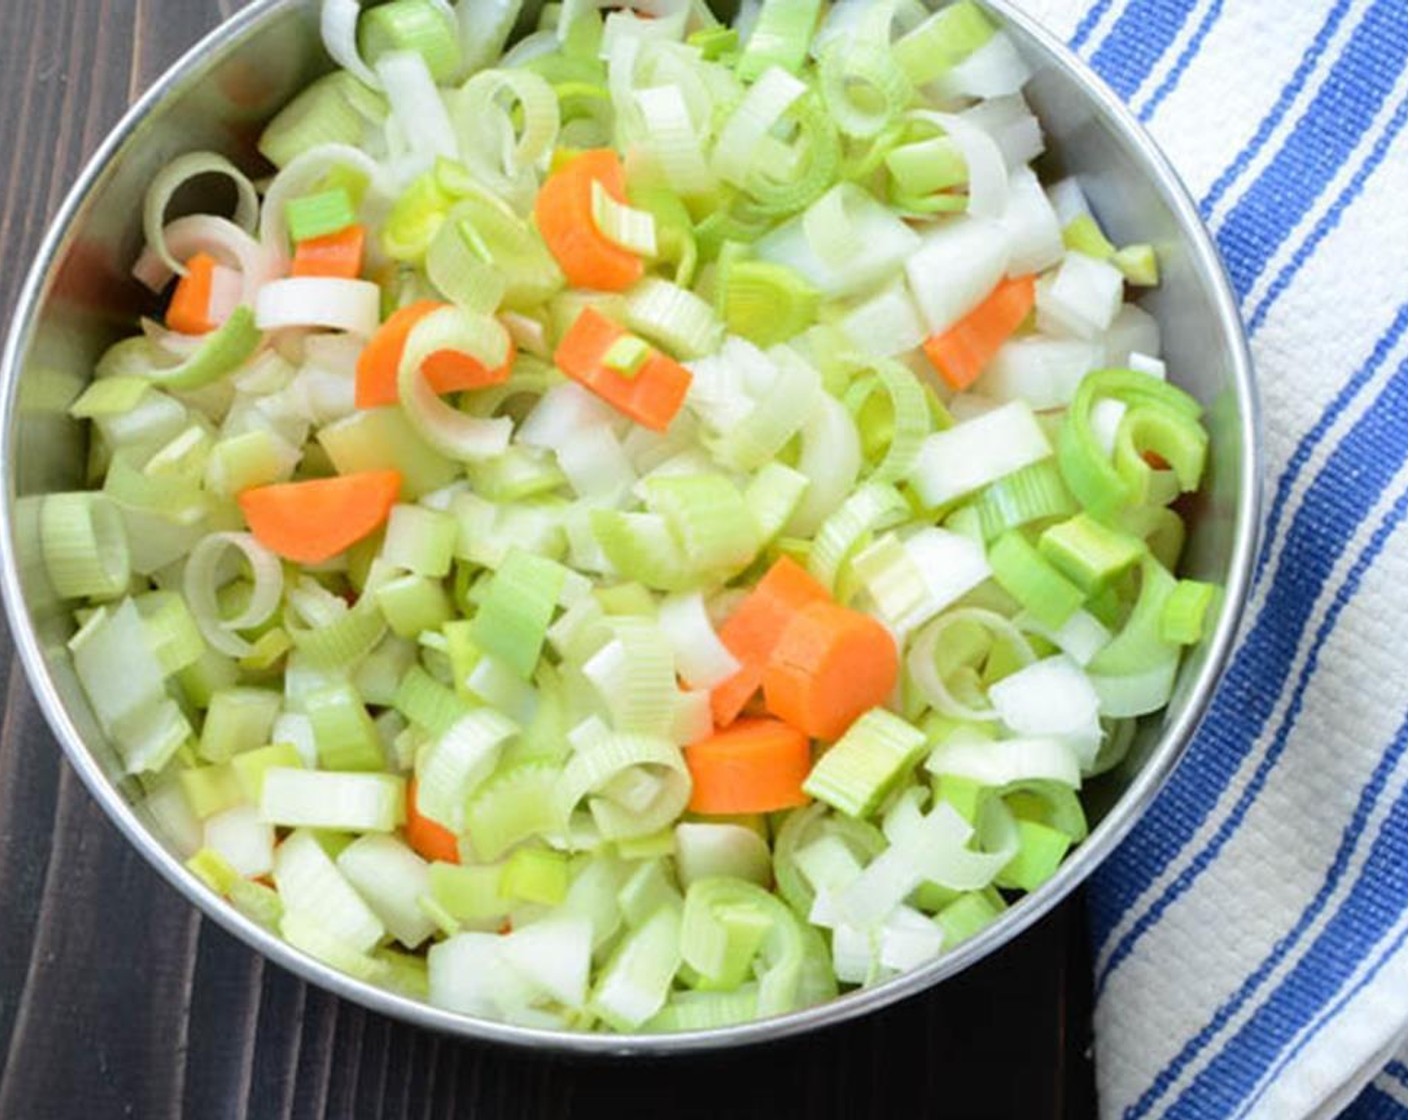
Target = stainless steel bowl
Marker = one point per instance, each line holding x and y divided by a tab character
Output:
79	298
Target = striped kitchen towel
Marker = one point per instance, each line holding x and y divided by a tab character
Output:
1249	936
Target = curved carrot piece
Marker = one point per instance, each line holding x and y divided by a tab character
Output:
962	352
756	766
830	666
651	397
189	312
310	522
752	632
563	212
338	255
447	371
432	840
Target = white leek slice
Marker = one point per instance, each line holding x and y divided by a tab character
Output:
391	878
451	432
203	581
340	305
1136	694
309	882
705	850
996	69
297	798
1007	761
987	168
912	581
554	955
1081	638
468	974
458	763
243	838
417	107
973	454
751	124
171	178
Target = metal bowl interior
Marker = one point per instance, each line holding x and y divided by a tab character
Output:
79	298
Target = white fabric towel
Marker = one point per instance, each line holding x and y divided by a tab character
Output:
1249	937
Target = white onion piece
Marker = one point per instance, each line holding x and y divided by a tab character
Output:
886	324
596	465
1053	697
202	582
1068	200
560	415
1143	363
701	659
971	455
1133	329
831	459
1045	372
1011	125
987	167
956	267
996	69
1081	300
353	306
1033	230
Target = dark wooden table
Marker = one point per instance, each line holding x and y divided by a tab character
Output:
118	1000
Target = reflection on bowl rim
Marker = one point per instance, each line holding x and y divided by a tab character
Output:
1021	916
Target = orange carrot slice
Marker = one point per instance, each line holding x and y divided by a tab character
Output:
189	312
830	666
756	766
963	351
432	840
752	632
563	212
338	255
310	522
651	397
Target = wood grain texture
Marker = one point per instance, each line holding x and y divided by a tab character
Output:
118	1000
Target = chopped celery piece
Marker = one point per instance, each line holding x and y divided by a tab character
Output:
855	773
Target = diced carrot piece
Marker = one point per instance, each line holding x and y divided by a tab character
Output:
752	632
830	666
756	766
432	840
652	397
962	352
310	522
563	212
189	312
338	255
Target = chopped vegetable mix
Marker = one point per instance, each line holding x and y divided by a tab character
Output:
641	529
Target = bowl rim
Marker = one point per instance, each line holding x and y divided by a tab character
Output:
1021	916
